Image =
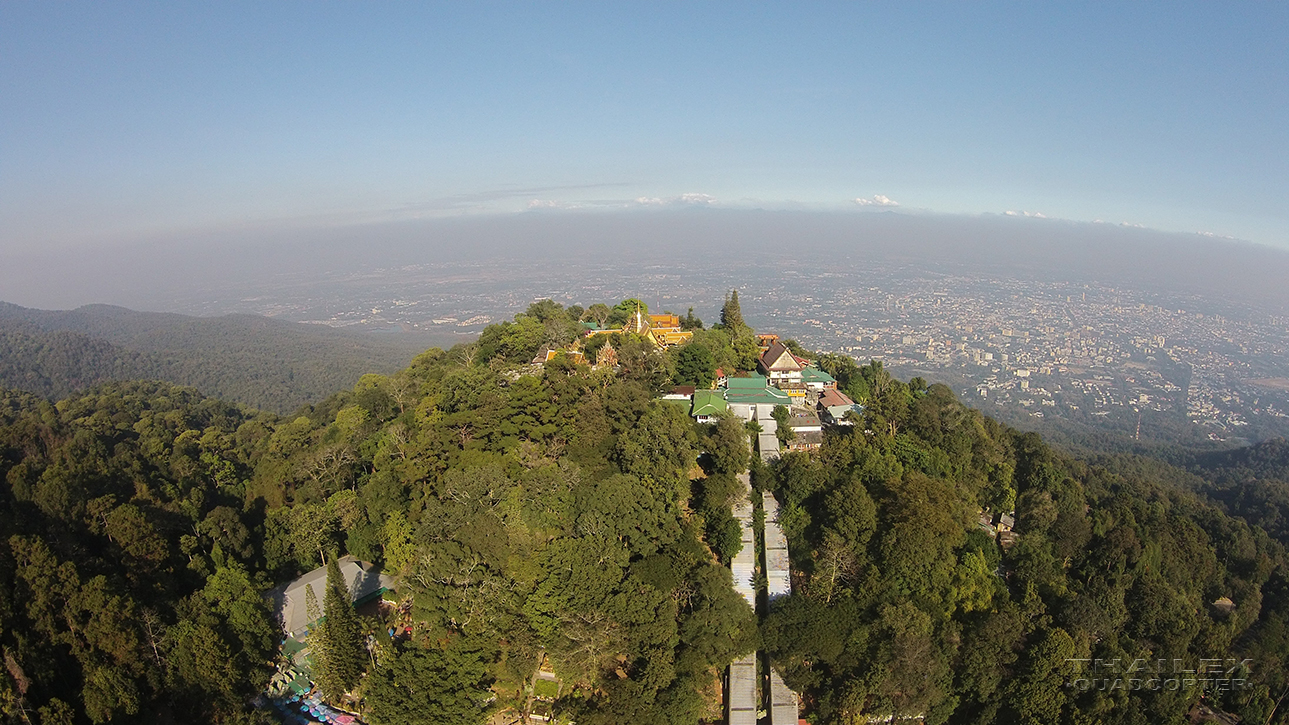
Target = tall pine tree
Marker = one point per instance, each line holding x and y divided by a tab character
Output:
340	638
311	604
731	315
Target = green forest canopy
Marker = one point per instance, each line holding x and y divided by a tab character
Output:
559	510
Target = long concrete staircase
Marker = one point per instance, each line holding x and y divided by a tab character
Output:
744	697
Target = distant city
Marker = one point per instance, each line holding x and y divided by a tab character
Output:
1033	348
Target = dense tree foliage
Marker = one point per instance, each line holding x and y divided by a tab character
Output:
783	428
128	587
904	606
695	365
689	322
528	510
561	511
625	310
432	684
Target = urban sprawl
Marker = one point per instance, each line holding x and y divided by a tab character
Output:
1036	348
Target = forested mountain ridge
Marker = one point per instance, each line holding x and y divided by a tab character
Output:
1251	482
257	361
562	510
1268	459
57	364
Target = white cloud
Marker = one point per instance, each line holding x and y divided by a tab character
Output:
1033	214
694	198
877	200
686	198
1130	224
554	204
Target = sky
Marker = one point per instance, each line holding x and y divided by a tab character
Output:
124	122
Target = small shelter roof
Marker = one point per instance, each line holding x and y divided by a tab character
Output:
708	402
815	375
833	398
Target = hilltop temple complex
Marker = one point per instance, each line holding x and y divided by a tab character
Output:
662	330
780	378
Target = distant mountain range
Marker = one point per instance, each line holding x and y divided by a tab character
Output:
257	361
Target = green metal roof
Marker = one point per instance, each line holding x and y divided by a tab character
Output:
754	382
708	402
812	375
762	396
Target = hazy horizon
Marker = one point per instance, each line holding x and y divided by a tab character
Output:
153	276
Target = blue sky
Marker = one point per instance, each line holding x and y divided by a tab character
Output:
128	121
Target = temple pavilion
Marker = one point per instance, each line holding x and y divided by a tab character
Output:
662	330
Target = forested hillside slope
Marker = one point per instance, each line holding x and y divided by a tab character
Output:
564	511
1251	482
257	361
900	608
